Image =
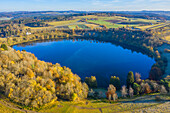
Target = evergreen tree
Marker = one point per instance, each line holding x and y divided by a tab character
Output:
130	79
91	81
116	82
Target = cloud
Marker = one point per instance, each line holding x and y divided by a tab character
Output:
111	5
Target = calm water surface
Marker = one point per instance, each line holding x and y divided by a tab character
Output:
87	58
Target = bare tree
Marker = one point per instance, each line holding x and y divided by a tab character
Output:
124	91
131	92
91	93
155	86
137	77
163	90
142	87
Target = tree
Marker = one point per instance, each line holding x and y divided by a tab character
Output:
111	93
155	86
155	73
147	88
28	81
142	88
130	79
131	92
91	81
116	82
73	31
137	78
124	91
91	93
163	90
136	88
4	46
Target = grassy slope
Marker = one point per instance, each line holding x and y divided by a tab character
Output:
145	103
167	38
4	109
129	105
7	107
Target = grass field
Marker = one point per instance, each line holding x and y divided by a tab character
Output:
60	23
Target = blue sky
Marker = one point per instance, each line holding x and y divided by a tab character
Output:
88	5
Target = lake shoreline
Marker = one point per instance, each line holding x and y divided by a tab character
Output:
124	44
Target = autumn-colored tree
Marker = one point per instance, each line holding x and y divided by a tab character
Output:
31	82
111	93
155	73
147	88
73	31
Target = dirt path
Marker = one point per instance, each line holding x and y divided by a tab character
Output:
100	108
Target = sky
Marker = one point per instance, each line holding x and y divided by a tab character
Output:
84	5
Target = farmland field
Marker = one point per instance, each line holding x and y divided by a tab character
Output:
92	21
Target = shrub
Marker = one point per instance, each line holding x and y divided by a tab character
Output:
137	88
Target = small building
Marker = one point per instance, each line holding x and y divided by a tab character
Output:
28	33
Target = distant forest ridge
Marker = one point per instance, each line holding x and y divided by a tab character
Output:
21	14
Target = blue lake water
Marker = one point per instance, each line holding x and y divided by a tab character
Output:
88	58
